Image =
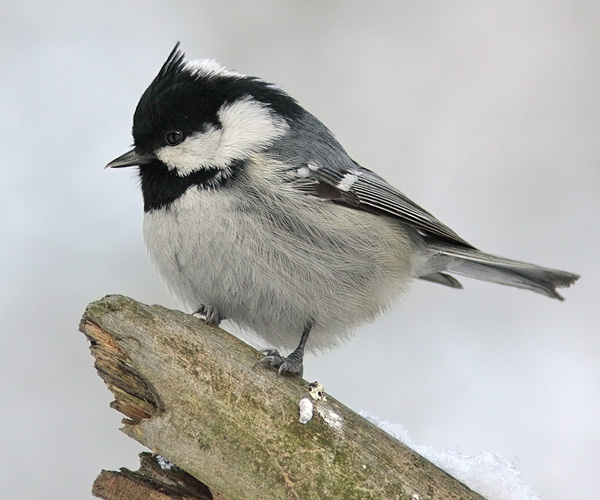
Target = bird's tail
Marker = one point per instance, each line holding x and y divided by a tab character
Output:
472	263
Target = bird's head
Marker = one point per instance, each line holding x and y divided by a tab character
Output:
198	115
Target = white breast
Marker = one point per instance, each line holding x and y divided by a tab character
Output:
273	266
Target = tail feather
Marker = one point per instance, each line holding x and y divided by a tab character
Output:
442	279
472	263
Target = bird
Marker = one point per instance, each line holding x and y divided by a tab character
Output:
255	213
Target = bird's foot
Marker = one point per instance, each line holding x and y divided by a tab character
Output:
291	365
210	314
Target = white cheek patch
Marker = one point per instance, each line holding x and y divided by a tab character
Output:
247	127
194	153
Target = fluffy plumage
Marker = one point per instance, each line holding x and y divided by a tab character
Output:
254	211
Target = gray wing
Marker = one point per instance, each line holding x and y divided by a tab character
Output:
331	175
359	188
362	189
319	166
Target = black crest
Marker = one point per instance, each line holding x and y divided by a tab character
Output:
174	62
187	99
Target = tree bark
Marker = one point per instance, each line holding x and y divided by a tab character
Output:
155	480
192	394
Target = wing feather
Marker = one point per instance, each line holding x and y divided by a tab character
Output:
362	189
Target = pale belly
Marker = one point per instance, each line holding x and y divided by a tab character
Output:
274	273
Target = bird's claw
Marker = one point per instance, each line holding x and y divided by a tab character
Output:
211	314
291	365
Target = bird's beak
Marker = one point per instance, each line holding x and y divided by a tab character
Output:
129	159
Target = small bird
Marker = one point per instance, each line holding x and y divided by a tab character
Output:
254	212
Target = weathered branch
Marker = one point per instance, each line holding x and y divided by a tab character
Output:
152	481
191	394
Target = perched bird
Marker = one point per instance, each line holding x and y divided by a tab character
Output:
254	212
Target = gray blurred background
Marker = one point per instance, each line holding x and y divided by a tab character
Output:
485	113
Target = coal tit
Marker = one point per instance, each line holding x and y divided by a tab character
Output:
255	213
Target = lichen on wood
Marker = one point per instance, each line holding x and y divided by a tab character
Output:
192	393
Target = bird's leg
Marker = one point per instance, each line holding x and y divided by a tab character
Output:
211	314
293	363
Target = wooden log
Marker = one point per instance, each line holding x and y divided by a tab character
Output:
155	480
192	394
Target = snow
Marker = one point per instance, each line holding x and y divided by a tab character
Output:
164	463
305	410
331	418
488	474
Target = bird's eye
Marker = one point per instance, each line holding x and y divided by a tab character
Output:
173	137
